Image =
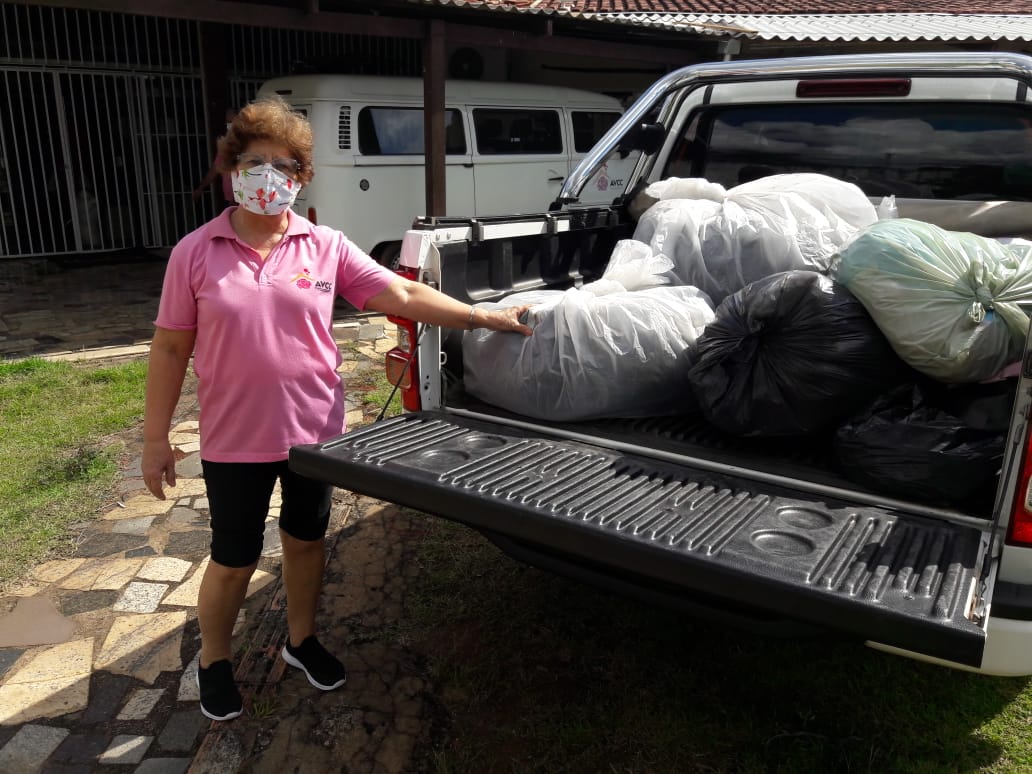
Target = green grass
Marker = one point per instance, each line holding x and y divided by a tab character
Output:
374	390
263	707
57	454
540	674
57	458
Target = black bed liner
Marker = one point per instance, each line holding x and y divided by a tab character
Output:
887	576
691	435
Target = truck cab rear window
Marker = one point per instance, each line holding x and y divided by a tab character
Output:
916	150
392	131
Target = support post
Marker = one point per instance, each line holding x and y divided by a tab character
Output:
214	86
434	65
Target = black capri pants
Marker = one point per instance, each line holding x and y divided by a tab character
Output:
238	501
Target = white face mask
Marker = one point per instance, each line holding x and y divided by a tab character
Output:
264	190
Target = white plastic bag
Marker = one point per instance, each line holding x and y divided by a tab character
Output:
947	301
763	227
887	208
609	349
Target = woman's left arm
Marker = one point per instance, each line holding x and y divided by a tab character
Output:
422	303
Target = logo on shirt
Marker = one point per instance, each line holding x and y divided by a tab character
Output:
305	280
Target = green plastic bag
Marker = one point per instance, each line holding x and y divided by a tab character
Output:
947	301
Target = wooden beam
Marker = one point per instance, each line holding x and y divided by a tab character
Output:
650	49
434	65
647	51
212	45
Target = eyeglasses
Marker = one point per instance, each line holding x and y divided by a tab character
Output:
286	166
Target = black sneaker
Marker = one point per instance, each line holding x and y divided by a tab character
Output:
321	667
220	699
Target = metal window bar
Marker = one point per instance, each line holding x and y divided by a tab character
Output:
175	155
34	158
81	170
78	91
264	53
82	129
88	39
7	214
243	90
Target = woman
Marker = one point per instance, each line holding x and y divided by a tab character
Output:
250	295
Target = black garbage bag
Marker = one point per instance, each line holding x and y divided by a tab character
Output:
984	406
919	442
791	354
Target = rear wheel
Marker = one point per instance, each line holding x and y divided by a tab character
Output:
389	255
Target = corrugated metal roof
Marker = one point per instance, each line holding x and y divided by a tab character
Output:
856	27
553	8
564	9
844	27
751	7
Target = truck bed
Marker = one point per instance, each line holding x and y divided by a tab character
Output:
810	459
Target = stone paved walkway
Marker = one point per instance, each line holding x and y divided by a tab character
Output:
98	651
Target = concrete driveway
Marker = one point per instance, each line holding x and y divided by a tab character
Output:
98	649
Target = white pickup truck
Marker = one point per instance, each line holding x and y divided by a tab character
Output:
663	508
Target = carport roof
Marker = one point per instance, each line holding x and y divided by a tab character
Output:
757	7
802	20
847	27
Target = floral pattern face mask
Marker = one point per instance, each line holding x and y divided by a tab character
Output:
264	190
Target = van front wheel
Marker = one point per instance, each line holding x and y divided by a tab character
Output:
389	255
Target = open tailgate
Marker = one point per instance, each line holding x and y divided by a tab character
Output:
885	576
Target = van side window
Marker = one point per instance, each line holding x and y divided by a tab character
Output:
918	150
517	131
588	128
393	131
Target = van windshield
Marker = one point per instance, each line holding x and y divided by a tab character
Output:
975	151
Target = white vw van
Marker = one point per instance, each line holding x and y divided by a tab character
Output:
509	148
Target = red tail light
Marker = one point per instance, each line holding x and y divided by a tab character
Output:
402	362
311	216
854	87
1019	533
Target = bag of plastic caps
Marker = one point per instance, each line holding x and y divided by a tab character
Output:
947	301
721	240
608	349
791	354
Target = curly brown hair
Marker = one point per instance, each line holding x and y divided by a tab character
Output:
269	118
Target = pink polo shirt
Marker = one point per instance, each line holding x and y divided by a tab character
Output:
265	356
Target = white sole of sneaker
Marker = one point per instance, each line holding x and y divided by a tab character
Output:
295	663
213	716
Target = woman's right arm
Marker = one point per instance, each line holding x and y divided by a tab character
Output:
169	356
